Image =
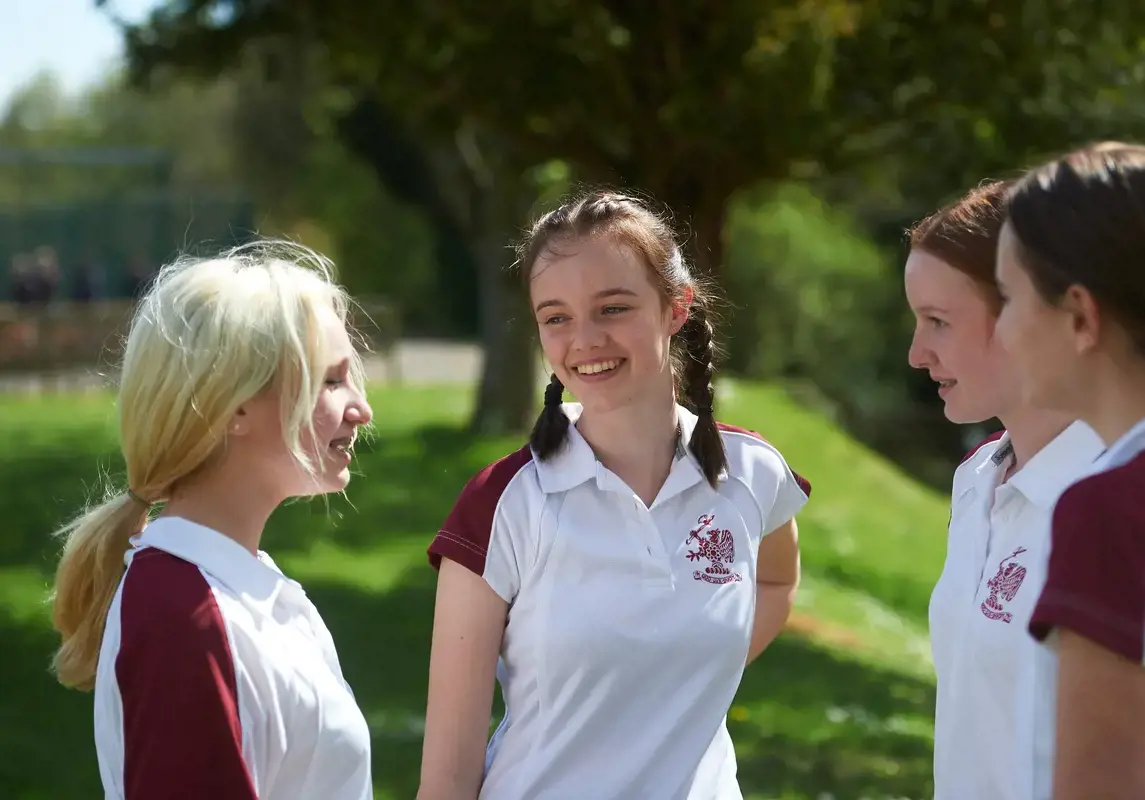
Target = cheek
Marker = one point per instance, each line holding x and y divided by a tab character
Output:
327	415
553	343
1020	328
959	347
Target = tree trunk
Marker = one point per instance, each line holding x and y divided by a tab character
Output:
475	200
405	167
507	398
700	210
501	198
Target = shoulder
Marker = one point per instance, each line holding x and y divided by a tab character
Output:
468	528
1095	584
486	488
1102	510
749	454
162	588
984	448
973	459
169	611
1109	495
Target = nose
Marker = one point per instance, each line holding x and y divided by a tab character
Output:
589	334
920	355
358	412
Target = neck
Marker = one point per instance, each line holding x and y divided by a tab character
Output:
225	504
1118	403
1030	430
637	442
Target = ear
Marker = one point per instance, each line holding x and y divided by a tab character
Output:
1084	317
681	310
240	423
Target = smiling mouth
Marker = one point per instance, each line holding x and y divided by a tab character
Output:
345	445
598	367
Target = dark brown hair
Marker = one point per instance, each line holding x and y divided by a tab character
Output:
964	234
632	222
1080	220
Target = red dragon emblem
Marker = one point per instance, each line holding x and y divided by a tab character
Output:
718	547
1004	587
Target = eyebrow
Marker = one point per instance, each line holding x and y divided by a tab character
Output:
928	309
618	291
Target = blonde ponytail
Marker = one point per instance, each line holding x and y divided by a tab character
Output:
209	335
86	580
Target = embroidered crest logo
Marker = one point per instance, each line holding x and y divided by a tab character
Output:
1004	587
717	547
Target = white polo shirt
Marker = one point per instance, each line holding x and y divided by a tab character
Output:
218	679
628	625
993	726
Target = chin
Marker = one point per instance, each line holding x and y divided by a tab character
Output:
603	402
962	414
326	484
961	417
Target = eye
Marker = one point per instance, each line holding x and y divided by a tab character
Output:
936	323
612	310
555	319
337	375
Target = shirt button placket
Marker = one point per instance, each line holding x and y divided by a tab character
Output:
656	565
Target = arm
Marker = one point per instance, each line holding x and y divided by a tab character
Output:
777	577
1093	602
468	625
182	727
1100	736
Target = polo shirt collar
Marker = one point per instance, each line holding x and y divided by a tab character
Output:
254	580
1053	468
576	462
1124	448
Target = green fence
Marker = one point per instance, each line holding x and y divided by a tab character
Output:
136	231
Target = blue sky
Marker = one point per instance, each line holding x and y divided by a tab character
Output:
69	37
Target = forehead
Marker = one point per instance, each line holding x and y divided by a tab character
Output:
931	280
1007	253
335	338
570	267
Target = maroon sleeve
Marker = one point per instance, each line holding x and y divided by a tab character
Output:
803	483
1095	585
464	536
181	731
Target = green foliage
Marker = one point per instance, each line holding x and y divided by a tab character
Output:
812	297
840	706
206	150
695	103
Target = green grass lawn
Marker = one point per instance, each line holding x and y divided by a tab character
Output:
839	707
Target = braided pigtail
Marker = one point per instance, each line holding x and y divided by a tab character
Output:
696	381
551	430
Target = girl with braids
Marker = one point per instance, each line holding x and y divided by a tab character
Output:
617	573
213	674
1071	266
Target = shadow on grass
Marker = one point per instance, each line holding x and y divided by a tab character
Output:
814	722
907	598
808	721
405	483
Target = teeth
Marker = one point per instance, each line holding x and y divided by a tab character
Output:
600	366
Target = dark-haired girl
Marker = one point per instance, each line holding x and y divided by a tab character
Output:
1071	266
616	574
